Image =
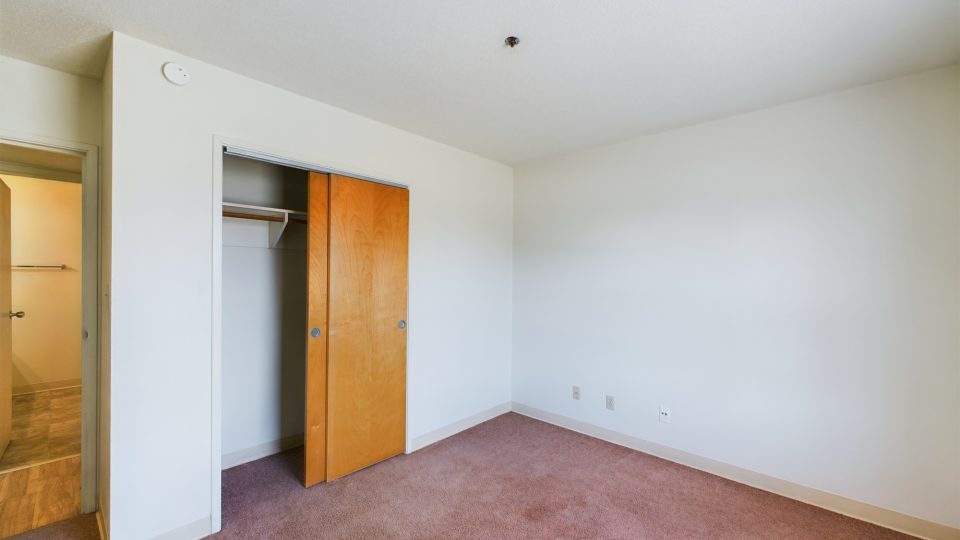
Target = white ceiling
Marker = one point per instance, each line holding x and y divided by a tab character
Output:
586	72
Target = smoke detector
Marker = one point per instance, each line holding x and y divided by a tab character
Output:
176	74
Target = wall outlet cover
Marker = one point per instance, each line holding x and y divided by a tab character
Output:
609	403
576	392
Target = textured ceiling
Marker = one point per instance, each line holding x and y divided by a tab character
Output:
585	73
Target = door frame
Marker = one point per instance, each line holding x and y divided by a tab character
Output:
256	152
90	295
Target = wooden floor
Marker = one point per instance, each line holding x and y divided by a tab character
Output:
46	426
40	470
35	496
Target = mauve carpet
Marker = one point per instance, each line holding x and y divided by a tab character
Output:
515	477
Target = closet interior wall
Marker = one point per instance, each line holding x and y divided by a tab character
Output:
264	314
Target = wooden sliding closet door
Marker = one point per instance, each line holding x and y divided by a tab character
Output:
367	342
315	396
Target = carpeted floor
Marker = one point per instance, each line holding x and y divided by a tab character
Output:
515	477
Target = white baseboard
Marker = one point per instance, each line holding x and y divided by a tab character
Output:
458	426
835	503
191	531
44	386
260	451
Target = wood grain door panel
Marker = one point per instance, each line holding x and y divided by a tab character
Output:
366	347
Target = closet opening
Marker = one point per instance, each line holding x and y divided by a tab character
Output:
310	323
264	308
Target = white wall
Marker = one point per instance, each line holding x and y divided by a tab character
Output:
48	103
38	102
106	249
46	228
162	210
264	314
786	281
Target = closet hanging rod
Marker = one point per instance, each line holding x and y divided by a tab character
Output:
41	266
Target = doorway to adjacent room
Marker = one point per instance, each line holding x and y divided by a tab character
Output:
48	346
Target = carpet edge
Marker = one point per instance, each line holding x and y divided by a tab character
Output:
883	517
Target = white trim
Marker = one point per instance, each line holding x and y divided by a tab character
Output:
45	386
460	425
90	359
829	501
216	342
44	173
191	531
261	451
220	143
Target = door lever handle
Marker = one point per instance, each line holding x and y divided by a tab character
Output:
17	314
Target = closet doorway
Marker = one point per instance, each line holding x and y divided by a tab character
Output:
309	314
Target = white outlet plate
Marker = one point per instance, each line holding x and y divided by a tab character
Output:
664	414
610	403
576	392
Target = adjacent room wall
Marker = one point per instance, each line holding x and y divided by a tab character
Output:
264	315
161	300
46	229
786	282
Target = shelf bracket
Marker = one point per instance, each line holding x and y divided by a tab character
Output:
277	228
278	218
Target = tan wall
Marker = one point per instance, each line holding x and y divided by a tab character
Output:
46	229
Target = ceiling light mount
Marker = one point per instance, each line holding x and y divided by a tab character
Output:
512	41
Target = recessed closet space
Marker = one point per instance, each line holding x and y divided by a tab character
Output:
312	317
264	308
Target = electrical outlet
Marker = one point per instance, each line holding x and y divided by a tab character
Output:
609	403
664	414
576	392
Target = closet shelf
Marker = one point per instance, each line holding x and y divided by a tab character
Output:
278	218
261	213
